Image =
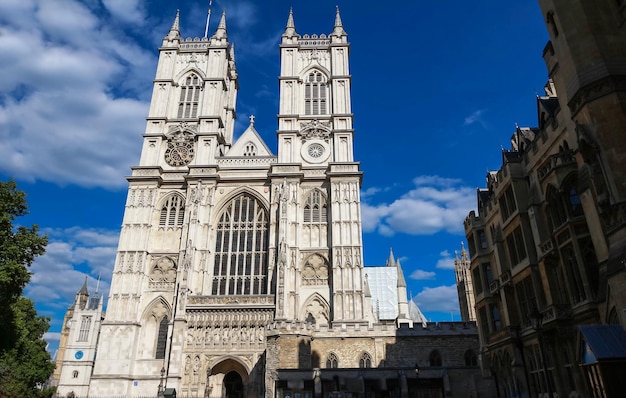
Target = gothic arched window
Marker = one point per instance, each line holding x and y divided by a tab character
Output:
250	150
161	338
189	97
435	358
332	361
75	374
365	361
241	248
470	358
315	94
172	212
315	208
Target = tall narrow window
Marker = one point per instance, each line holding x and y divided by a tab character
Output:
470	358
189	97
172	212
161	338
241	248
85	325
315	96
315	208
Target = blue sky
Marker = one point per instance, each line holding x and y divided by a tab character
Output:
437	88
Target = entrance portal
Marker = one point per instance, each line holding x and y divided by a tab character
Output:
233	385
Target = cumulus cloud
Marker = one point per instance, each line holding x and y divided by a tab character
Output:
434	204
438	299
420	275
446	261
70	100
71	255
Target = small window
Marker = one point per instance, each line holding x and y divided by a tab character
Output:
75	374
85	326
470	358
332	362
250	150
365	361
315	94
189	97
172	212
435	358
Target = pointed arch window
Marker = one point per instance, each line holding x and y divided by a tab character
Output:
161	338
332	362
315	209
315	94
189	97
85	326
470	358
365	361
241	248
172	212
435	358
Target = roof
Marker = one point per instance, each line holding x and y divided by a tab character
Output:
603	342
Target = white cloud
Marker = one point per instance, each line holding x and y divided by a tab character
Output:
438	299
71	255
70	100
126	10
446	261
420	275
475	117
435	204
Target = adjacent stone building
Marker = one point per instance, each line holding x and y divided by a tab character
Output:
239	273
548	243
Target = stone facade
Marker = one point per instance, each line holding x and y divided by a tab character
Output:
240	273
548	242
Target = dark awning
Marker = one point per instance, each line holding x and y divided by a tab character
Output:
602	342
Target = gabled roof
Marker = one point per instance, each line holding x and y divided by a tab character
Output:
602	342
250	136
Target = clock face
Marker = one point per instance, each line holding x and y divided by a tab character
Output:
179	153
78	354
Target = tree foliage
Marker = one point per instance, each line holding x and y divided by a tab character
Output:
24	362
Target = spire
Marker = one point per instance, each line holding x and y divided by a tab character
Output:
175	29
290	30
220	33
84	290
338	31
391	262
401	280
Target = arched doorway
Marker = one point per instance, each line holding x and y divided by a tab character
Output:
233	385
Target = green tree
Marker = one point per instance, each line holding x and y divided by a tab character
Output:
24	362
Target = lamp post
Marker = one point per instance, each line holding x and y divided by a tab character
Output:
536	320
161	391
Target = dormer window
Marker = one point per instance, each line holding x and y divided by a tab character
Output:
315	94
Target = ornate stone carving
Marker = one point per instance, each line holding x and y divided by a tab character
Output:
315	130
315	271
163	270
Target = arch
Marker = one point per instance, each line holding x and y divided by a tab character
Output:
163	269
227	374
470	358
316	310
365	361
220	205
190	85
171	210
434	358
332	361
315	207
241	246
183	74
315	67
250	149
155	321
316	91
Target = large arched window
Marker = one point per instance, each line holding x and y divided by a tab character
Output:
172	212
332	361
189	97
241	248
315	94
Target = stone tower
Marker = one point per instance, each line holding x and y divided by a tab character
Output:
220	237
79	338
464	285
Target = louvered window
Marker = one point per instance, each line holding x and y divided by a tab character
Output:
315	210
172	212
315	94
189	97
